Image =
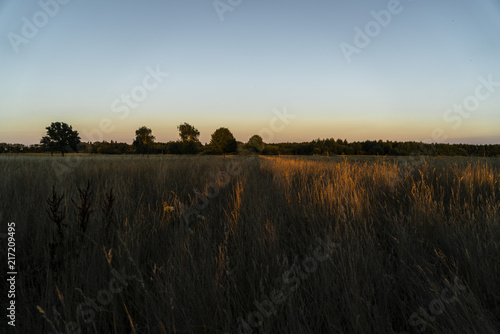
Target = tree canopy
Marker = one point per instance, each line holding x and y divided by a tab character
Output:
255	144
190	144
60	137
144	140
188	132
223	141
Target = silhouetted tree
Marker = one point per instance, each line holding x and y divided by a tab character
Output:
188	132
144	140
255	144
223	141
189	138
61	137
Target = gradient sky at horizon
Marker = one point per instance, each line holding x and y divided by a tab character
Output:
264	56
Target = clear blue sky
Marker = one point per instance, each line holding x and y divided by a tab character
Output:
264	55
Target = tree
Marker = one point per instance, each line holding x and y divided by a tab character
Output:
189	138
256	144
223	141
61	137
188	132
144	140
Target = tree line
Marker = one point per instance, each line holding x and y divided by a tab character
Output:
61	137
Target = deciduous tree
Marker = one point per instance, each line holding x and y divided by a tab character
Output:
190	143
61	137
223	141
144	140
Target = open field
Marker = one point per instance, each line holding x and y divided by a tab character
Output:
204	244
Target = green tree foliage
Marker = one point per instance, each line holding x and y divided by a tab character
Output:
223	141
190	144
109	148
144	140
60	138
255	144
188	132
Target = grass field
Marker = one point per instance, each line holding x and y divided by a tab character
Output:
197	244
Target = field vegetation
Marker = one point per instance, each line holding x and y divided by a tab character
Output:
241	244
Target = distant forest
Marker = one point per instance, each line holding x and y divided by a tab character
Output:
62	138
315	147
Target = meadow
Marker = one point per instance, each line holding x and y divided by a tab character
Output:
253	244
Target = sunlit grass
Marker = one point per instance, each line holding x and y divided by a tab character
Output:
405	228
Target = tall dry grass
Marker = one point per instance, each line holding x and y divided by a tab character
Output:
405	231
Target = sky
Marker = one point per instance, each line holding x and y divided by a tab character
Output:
287	70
